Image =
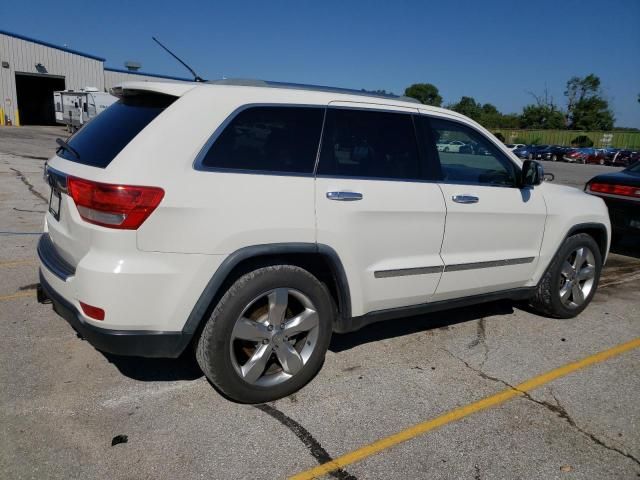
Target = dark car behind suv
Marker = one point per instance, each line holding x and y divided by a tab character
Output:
621	192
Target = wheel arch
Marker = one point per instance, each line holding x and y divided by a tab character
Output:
320	260
596	230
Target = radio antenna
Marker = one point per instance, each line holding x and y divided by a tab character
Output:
196	77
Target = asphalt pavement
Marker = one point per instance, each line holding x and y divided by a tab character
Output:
68	411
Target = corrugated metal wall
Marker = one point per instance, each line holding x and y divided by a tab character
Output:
23	55
619	139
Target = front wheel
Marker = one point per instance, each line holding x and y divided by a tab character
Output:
268	335
571	280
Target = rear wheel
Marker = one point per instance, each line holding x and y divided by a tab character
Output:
268	335
571	280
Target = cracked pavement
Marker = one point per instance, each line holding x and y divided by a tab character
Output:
556	408
62	403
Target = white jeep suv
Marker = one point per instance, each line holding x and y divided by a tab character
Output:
253	221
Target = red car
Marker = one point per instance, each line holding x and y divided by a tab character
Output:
585	155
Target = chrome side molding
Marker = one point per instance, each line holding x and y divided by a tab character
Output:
403	272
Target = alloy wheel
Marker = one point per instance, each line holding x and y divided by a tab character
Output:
577	277
274	337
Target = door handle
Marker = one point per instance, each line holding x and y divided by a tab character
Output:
465	199
344	196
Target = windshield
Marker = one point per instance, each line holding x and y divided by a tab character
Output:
100	141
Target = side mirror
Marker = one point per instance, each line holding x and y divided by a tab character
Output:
532	174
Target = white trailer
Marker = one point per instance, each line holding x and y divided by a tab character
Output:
74	108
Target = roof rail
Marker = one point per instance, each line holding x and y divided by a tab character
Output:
251	82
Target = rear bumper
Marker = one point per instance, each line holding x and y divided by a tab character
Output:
625	215
138	343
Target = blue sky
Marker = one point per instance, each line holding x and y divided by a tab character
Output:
495	51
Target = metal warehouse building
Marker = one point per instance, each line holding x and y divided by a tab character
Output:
31	70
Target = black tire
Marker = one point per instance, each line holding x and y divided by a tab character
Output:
214	350
547	298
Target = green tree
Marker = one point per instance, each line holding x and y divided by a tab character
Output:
487	115
490	117
587	109
592	114
426	93
469	107
541	117
544	114
510	120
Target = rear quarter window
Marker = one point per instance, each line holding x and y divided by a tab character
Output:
100	141
268	139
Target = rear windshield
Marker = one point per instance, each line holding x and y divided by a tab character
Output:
99	141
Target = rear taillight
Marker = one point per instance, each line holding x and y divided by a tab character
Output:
115	206
611	189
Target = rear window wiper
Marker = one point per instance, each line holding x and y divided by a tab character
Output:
65	146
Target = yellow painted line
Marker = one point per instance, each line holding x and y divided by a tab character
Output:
461	412
16	263
26	293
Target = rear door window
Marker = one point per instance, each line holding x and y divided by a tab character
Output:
369	144
270	140
100	140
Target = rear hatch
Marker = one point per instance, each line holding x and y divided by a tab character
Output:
81	205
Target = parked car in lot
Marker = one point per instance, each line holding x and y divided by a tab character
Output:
530	151
621	192
523	152
452	146
609	153
625	158
585	155
515	146
253	223
550	152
